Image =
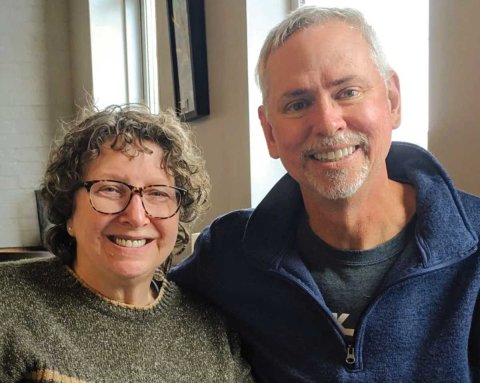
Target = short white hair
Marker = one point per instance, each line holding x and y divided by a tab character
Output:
308	16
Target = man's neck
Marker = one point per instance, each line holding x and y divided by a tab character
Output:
365	220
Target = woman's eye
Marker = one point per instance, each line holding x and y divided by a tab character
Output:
110	190
157	194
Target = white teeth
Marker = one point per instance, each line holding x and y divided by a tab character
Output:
335	155
130	242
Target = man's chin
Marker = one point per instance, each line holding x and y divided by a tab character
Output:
337	186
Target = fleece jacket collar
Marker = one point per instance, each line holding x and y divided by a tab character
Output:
443	232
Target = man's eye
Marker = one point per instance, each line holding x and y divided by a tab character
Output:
348	93
297	106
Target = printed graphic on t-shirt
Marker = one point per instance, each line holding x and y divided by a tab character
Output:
343	322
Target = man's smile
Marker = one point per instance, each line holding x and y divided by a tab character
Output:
333	155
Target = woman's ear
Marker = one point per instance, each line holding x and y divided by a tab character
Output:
70	228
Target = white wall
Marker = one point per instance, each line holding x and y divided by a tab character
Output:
454	134
34	90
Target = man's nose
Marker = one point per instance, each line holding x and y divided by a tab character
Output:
327	117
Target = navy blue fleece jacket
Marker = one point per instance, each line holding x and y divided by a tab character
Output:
423	326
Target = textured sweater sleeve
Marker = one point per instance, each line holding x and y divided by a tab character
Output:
12	365
240	364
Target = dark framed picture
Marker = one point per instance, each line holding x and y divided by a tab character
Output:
189	57
43	222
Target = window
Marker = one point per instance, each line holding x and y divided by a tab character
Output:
124	59
149	53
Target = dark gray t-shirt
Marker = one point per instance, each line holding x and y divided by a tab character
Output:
348	279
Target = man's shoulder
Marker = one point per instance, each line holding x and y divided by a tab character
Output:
230	223
224	236
218	250
471	199
471	205
282	201
234	217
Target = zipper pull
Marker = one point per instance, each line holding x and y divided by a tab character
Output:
350	355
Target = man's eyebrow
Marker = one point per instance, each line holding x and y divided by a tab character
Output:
341	80
299	92
295	93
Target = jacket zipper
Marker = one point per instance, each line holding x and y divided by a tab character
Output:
350	360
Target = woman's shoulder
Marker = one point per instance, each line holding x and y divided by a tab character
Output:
192	313
18	278
191	302
205	335
19	268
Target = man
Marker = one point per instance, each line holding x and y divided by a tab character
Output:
361	264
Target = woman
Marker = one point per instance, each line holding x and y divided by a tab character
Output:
120	189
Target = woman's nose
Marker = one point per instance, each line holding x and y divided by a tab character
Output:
135	212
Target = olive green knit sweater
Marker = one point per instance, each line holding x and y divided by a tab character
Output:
54	329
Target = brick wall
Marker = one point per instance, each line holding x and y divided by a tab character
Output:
35	91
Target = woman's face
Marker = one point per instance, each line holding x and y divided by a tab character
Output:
123	248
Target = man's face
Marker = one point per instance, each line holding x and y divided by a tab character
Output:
328	114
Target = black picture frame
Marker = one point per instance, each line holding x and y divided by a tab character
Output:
43	222
189	58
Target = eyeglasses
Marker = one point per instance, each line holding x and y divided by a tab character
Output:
113	197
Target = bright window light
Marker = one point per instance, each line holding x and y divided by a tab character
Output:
150	61
124	58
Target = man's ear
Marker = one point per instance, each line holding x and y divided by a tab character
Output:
268	132
393	93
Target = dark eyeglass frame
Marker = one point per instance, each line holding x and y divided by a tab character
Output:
133	189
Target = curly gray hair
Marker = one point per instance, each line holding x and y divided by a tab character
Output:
127	127
309	16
